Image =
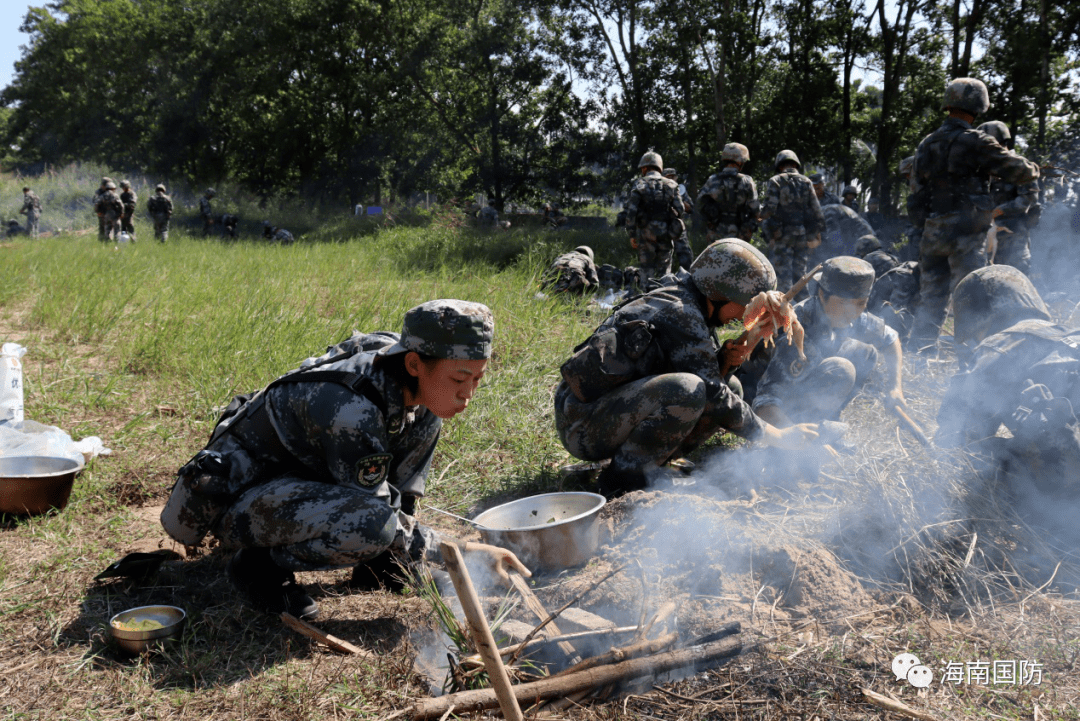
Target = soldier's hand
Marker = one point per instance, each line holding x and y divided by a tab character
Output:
814	242
633	242
895	399
500	559
792	438
732	355
998	212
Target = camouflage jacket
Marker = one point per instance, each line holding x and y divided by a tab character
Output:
569	271
654	203
791	207
205	209
160	205
683	342
829	198
843	228
684	197
729	204
821	341
952	170
898	287
488	215
108	202
1019	204
129	200
988	395
31	203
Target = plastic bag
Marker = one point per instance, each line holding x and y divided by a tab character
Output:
30	438
11	383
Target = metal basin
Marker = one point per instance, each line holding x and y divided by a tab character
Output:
548	532
36	484
169	619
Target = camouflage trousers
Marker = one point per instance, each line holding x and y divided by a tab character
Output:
1014	249
684	254
208	225
654	258
567	281
161	227
938	275
126	225
789	257
819	392
639	425
32	223
108	227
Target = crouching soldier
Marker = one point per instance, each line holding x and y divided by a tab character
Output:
842	343
160	207
322	468
646	387
573	272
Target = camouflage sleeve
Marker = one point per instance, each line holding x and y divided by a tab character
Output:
872	330
591	275
772	199
632	210
1027	196
918	196
753	208
706	203
778	374
1005	164
816	222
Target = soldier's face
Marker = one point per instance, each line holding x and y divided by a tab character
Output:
842	312
819	191
445	387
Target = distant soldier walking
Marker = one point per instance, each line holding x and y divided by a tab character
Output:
31	208
207	211
653	217
97	197
129	200
109	209
1016	209
684	254
950	199
160	207
729	200
792	220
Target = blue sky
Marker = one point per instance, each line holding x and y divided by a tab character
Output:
11	39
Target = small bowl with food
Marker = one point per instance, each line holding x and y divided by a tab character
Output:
137	629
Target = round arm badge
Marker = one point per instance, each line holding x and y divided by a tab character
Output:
373	470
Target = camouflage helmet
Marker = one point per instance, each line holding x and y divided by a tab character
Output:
907	165
159	188
585	250
850	190
997	130
669	173
450	329
732	269
105	180
651	159
211	191
125	183
787	156
735	153
867	244
967	94
110	185
991	299
883	261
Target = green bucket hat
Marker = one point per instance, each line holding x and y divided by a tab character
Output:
449	329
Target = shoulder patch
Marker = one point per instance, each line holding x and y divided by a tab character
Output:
373	470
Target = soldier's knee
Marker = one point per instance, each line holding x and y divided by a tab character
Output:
836	376
373	526
684	390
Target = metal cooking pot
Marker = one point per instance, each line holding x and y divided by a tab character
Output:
548	532
36	484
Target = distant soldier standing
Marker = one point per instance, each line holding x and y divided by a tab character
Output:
109	210
950	199
824	196
97	197
31	208
851	193
684	254
653	217
1016	209
160	207
729	200
129	200
207	211
792	219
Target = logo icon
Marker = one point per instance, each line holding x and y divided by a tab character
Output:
907	666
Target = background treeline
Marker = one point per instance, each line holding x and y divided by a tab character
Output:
358	101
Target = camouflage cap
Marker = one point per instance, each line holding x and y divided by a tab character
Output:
850	190
997	130
450	329
847	277
732	269
991	299
106	180
110	185
735	153
867	244
787	156
669	172
159	188
906	165
967	94
651	159
125	183
584	250
817	179
211	191
882	261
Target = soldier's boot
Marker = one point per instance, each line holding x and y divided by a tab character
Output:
617	480
383	571
267	586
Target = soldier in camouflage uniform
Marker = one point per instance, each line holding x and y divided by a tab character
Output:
895	295
950	199
1016	209
31	208
873	215
824	197
206	211
94	203
729	200
1019	370
843	229
646	386
489	215
276	235
654	217
843	344
906	244
792	219
850	195
109	209
160	207
574	272
684	254
129	200
322	468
